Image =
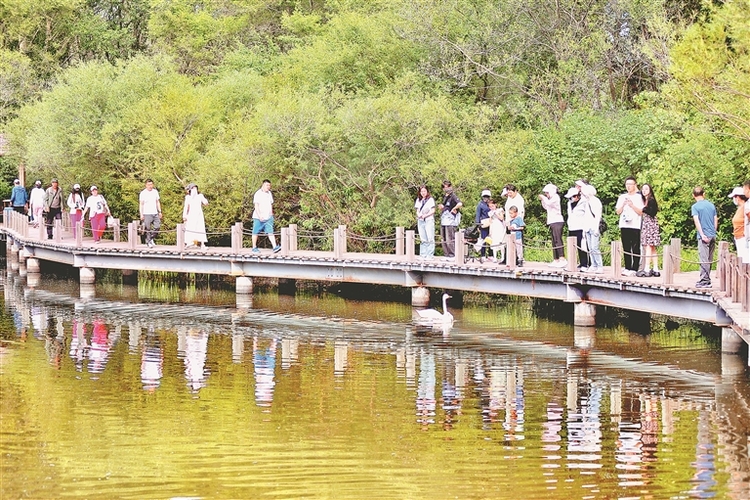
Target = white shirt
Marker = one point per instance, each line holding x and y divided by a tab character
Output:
577	214
593	214
36	199
552	206
148	201
263	201
96	205
75	202
628	218
517	202
423	210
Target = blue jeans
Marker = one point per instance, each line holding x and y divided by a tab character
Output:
592	242
426	229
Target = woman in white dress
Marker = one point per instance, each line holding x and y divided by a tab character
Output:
192	216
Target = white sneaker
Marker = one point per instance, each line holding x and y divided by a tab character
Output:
583	269
599	270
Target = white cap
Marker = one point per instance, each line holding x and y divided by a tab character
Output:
549	188
76	186
486	192
571	193
16	181
93	187
505	192
38	183
738	191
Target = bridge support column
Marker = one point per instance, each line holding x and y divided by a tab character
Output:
87	290
584	314
33	279
87	276
287	286
584	337
14	249
730	341
32	266
420	296
244	285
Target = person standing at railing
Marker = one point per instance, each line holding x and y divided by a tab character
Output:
517	225
76	202
425	207
650	233
19	198
192	216
551	203
592	218
53	204
36	203
98	211
450	218
706	221
482	218
738	222
263	216
746	254
150	209
576	217
629	207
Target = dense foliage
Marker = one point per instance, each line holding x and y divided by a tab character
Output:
348	106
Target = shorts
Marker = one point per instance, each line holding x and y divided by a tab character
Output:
263	226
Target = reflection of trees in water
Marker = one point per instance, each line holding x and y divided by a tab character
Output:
579	399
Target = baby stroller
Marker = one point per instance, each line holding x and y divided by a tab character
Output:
494	244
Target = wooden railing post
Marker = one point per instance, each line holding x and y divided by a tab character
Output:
616	253
293	238
676	246
79	233
410	239
667	274
342	240
57	230
399	241
237	237
132	234
284	241
723	265
116	230
460	248
180	237
745	279
572	251
42	229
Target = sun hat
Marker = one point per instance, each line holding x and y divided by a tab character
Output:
549	188
486	192
571	193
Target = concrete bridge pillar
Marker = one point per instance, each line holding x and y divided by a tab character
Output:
32	266
87	276
33	279
584	336
87	290
730	341
420	296
244	285
287	286
584	314
14	249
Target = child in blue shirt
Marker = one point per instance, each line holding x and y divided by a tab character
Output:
517	225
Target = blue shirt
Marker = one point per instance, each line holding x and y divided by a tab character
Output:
18	196
518	221
706	212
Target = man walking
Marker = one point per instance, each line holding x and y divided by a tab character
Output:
450	218
150	208
18	197
706	221
263	216
630	208
52	206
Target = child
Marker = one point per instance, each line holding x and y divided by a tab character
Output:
497	231
517	225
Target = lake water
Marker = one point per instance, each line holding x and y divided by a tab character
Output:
157	391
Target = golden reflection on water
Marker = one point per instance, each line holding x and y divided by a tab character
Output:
157	392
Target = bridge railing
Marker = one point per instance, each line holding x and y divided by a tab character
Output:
734	276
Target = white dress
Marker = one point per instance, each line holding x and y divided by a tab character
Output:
192	214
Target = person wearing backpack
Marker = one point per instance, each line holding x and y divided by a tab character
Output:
591	229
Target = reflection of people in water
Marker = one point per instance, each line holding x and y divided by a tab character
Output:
152	361
39	321
264	361
426	389
79	348
99	351
194	343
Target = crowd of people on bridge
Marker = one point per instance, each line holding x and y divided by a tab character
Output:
638	221
636	208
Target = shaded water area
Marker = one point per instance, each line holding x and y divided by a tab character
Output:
160	391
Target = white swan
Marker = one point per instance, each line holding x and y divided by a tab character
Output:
435	317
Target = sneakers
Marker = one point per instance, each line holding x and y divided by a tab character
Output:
595	270
150	244
256	250
277	249
583	269
558	263
655	273
703	284
628	272
643	274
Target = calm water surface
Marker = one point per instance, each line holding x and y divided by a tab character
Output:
160	392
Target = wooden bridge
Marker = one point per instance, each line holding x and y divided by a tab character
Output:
673	294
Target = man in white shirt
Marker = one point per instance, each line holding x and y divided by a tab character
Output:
150	208
36	202
263	216
630	208
514	200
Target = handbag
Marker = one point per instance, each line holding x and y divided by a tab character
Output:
485	222
602	223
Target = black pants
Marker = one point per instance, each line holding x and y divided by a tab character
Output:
631	247
583	255
54	213
558	250
20	210
483	233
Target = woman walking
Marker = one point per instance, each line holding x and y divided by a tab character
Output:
76	202
650	233
98	211
192	216
425	207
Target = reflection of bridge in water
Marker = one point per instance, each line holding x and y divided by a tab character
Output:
645	399
673	295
